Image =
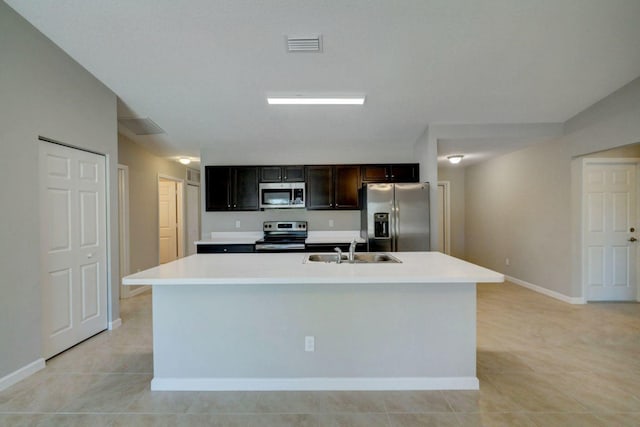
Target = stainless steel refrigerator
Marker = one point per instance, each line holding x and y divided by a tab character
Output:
395	217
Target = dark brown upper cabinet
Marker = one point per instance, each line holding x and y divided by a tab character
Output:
333	187
402	172
231	188
282	174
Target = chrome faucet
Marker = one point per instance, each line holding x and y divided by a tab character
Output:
339	253
352	250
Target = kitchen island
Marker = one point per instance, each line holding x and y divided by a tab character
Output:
276	322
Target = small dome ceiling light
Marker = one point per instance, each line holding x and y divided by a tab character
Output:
184	160
455	159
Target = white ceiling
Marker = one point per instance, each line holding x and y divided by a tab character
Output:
201	69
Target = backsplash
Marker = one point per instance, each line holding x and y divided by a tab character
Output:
252	221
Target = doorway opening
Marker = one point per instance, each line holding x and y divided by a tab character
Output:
170	219
444	218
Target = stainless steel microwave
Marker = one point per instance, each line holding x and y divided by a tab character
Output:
282	195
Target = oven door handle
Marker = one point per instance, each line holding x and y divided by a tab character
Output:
279	246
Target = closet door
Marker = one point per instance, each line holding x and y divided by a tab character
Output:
73	248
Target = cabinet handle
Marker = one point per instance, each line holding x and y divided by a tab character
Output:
234	205
337	205
330	205
225	249
228	206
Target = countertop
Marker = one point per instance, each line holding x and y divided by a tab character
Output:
232	238
290	268
249	237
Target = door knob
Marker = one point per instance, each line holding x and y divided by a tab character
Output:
633	239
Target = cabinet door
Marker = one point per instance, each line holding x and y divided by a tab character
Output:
293	173
347	184
217	188
375	173
405	173
270	174
245	188
319	187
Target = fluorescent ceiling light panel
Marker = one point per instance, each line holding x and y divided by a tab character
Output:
300	100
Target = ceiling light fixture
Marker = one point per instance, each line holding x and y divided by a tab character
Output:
184	160
455	159
300	100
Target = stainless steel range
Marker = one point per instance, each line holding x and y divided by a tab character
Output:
282	236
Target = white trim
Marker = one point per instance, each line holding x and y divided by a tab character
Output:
545	291
22	373
138	290
300	384
123	230
115	324
113	291
446	185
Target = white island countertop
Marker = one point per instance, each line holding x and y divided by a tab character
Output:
290	268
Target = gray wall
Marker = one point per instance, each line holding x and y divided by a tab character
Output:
526	205
144	169
318	220
44	93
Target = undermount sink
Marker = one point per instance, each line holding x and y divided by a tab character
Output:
359	258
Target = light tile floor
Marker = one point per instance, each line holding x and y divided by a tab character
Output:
541	362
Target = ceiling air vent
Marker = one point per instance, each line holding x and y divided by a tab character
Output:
304	44
193	176
141	126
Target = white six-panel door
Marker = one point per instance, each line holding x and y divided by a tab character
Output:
610	227
168	220
73	245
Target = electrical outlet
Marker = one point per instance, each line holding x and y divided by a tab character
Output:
309	343
330	223
237	224
507	261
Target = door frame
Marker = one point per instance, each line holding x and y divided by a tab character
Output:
186	222
180	214
446	186
123	227
583	220
124	235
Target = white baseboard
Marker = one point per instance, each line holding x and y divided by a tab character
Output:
306	384
115	324
547	292
22	373
138	291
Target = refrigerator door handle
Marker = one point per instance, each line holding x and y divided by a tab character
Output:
394	227
397	230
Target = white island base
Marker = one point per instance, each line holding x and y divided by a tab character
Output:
369	332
